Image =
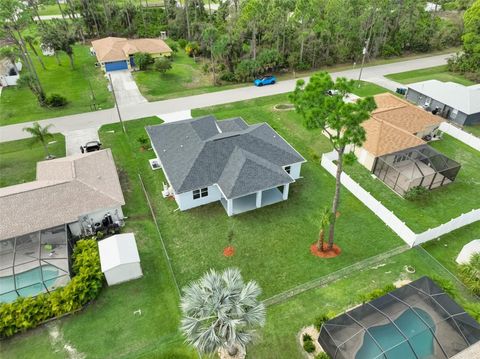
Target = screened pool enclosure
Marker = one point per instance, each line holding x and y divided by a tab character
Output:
415	321
418	166
34	263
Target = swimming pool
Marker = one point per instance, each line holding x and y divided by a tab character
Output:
388	337
29	282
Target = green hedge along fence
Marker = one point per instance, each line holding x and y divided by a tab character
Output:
29	312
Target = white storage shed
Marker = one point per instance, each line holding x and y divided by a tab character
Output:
468	251
119	258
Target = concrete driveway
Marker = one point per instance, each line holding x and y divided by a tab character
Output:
75	139
126	89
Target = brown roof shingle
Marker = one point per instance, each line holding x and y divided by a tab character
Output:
394	124
65	189
119	48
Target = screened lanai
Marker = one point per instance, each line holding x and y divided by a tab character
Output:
419	166
418	320
34	263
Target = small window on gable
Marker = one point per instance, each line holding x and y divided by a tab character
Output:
198	193
287	169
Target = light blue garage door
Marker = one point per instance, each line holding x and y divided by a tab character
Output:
116	65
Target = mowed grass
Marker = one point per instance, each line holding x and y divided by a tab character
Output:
272	243
473	129
440	73
108	327
443	203
18	104
18	159
280	336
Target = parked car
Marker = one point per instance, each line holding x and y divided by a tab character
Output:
91	146
265	80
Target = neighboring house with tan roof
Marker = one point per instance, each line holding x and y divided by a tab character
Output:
40	220
455	102
396	149
117	53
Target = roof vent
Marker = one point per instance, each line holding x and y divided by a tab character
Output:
164	150
181	146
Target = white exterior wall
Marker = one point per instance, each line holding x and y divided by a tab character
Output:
365	158
295	170
91	218
185	200
9	80
123	273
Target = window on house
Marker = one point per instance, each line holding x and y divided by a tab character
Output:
198	193
287	169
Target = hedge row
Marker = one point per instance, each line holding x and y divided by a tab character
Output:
29	312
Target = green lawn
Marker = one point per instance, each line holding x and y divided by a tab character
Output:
18	159
444	203
368	89
272	243
18	104
272	248
473	129
54	10
440	73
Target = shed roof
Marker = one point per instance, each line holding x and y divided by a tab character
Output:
65	189
117	250
241	159
119	48
463	98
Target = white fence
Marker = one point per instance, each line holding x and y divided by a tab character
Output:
461	135
388	217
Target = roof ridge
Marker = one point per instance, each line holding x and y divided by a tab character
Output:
50	183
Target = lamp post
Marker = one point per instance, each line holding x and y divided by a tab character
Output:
365	49
116	103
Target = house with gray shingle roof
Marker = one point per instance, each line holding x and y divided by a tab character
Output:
242	166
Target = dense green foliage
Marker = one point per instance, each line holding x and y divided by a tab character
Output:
143	60
322	318
470	274
417	193
376	293
468	62
26	313
56	100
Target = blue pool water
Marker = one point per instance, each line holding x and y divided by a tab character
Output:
29	281
420	338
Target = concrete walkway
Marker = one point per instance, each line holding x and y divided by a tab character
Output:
77	138
126	89
64	124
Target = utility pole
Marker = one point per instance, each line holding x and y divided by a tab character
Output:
116	103
365	49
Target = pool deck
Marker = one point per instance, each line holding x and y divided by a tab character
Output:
469	353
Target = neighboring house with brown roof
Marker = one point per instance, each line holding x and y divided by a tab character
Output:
40	220
116	53
75	190
396	149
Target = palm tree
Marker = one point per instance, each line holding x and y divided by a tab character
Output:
324	223
220	311
40	134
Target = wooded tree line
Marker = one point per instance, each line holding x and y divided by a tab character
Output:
245	37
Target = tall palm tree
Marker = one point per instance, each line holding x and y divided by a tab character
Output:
40	134
324	223
221	311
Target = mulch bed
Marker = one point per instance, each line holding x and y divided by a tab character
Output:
229	251
326	253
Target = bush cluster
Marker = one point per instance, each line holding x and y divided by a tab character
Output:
308	344
417	193
376	293
56	100
26	313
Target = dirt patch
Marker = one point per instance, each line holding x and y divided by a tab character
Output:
326	253
284	107
229	251
60	345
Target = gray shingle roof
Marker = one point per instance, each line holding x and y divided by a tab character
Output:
241	159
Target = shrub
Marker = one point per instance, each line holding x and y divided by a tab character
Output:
173	44
447	286
192	49
322	355
56	100
246	70
26	313
182	43
306	337
417	193
162	64
322	318
470	274
308	346
143	60
227	76
376	293
473	308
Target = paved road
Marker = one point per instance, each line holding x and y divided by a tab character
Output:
64	124
77	138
